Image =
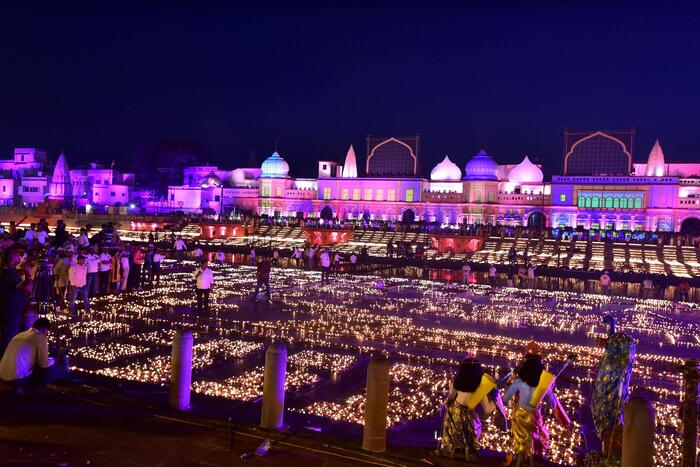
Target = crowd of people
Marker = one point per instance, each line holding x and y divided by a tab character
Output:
44	269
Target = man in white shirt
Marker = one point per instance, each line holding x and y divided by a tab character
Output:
105	269
297	256
83	240
41	236
92	262
30	234
466	271
78	284
27	357
204	278
492	275
158	258
648	287
605	283
531	276
336	262
325	266
353	262
180	246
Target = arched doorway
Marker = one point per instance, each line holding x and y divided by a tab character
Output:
327	213
408	216
536	220
691	226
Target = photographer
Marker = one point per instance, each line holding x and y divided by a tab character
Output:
15	286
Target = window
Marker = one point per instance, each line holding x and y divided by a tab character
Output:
325	167
266	189
392	195
562	198
217	198
326	192
345	194
113	194
616	203
368	194
477	196
595	202
380	194
98	182
278	192
4	188
172	196
356	194
608	202
638	203
623	203
588	202
581	201
409	196
491	197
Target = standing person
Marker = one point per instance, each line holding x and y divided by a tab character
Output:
522	276
180	246
30	235
42	235
310	253
78	285
611	387
137	262
605	283
683	291
336	262
15	286
263	276
115	275
105	269
125	259
92	262
461	427
148	265
298	256
220	257
492	275
252	255
83	240
529	434
198	254
61	277
204	279
466	272
353	262
60	234
158	258
275	256
325	266
647	287
531	276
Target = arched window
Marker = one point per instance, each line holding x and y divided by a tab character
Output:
581	201
623	203
638	203
595	202
616	203
588	201
608	202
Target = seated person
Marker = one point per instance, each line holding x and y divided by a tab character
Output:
26	360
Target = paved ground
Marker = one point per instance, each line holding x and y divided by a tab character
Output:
76	427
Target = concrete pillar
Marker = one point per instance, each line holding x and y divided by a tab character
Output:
273	387
689	412
181	370
374	434
638	434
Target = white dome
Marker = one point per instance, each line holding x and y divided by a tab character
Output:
274	167
525	172
446	171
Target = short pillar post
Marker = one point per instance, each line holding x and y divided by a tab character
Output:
273	387
689	412
638	433
374	433
181	370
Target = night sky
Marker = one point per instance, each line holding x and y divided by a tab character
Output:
101	81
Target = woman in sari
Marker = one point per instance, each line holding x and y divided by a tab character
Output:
530	436
461	425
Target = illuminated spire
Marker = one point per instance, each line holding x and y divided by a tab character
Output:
60	183
350	167
656	166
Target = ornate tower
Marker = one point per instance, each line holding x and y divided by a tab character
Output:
60	187
656	166
350	166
